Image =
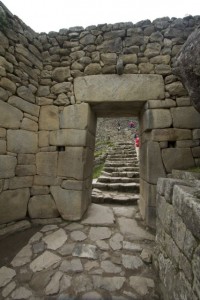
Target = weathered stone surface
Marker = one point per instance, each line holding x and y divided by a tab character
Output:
98	215
23	257
26	94
25	106
56	239
92	296
20	182
118	88
69	137
10	116
25	170
78	116
61	74
13	205
73	265
54	284
8	85
22	141
141	284
6	275
111	284
26	159
8	289
28	124
18	226
110	46
146	68
44	261
63	87
132	231
189	72
185	117
75	162
176	89
46	163
109	58
42	206
68	203
170	134
156	118
8	164
49	118
92	69
21	293
116	241
5	64
99	233
132	262
151	168
86	251
109	267
78	235
177	158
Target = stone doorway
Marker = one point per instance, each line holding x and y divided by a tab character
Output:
120	96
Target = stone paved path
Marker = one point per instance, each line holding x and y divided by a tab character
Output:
105	256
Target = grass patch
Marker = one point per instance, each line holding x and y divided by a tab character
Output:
97	171
194	169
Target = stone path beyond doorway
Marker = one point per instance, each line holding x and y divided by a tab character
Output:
106	256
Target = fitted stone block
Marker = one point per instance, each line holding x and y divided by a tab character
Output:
177	158
116	88
10	116
7	166
148	192
71	163
78	116
152	166
68	137
42	206
46	163
185	117
69	203
22	141
49	118
170	134
13	205
2	147
20	182
46	180
25	106
43	137
26	159
156	118
25	170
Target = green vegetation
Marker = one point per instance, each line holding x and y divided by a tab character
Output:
194	169
97	171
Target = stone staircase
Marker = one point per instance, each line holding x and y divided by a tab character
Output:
119	180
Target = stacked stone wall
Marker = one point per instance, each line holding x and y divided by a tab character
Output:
178	237
47	135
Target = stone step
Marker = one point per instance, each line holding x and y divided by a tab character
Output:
124	159
114	197
117	179
121	174
121	169
120	151
121	187
120	164
122	156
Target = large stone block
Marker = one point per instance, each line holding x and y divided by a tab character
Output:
177	158
42	207
148	192
22	141
71	137
20	182
26	159
156	118
69	203
61	74
25	170
185	117
170	134
25	106
152	166
46	163
49	118
78	116
13	205
71	163
114	88
10	116
46	180
62	87
7	166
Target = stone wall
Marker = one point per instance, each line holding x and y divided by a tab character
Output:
177	257
47	134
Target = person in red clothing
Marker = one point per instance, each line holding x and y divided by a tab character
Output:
137	145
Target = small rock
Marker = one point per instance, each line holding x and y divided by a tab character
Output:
44	261
131	262
65	283
48	228
141	284
84	250
146	256
82	283
99	233
78	236
6	275
102	245
73	265
92	296
21	293
23	257
66	249
56	239
74	226
8	289
116	241
109	267
53	286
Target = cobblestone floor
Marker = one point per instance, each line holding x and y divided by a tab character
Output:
105	256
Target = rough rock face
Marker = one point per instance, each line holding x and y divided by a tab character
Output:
187	66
